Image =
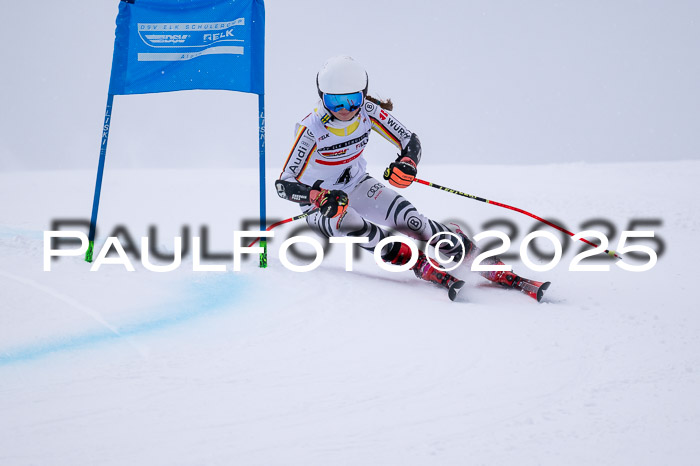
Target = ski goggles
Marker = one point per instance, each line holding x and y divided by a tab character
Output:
336	102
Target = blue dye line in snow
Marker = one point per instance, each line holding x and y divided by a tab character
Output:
205	298
10	232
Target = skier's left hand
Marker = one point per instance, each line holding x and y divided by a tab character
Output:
401	173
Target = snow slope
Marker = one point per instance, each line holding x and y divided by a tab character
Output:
272	367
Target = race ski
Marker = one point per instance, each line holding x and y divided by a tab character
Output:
454	288
532	288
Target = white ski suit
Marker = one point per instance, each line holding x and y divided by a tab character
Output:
332	151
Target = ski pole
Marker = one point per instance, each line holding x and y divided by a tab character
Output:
506	206
282	222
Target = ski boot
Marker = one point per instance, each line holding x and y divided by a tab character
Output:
425	271
532	288
399	254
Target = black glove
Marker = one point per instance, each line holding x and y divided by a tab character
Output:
331	203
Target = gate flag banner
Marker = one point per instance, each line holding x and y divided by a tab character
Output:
178	45
173	45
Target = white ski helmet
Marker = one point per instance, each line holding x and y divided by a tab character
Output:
341	75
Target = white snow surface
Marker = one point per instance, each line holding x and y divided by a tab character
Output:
273	367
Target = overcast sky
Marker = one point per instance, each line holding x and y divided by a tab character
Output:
479	81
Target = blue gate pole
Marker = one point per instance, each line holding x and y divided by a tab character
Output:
261	169
98	182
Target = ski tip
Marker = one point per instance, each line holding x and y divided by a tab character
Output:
454	289
541	290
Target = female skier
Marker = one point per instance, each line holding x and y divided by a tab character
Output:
326	169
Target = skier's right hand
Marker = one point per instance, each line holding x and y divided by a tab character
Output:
331	203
